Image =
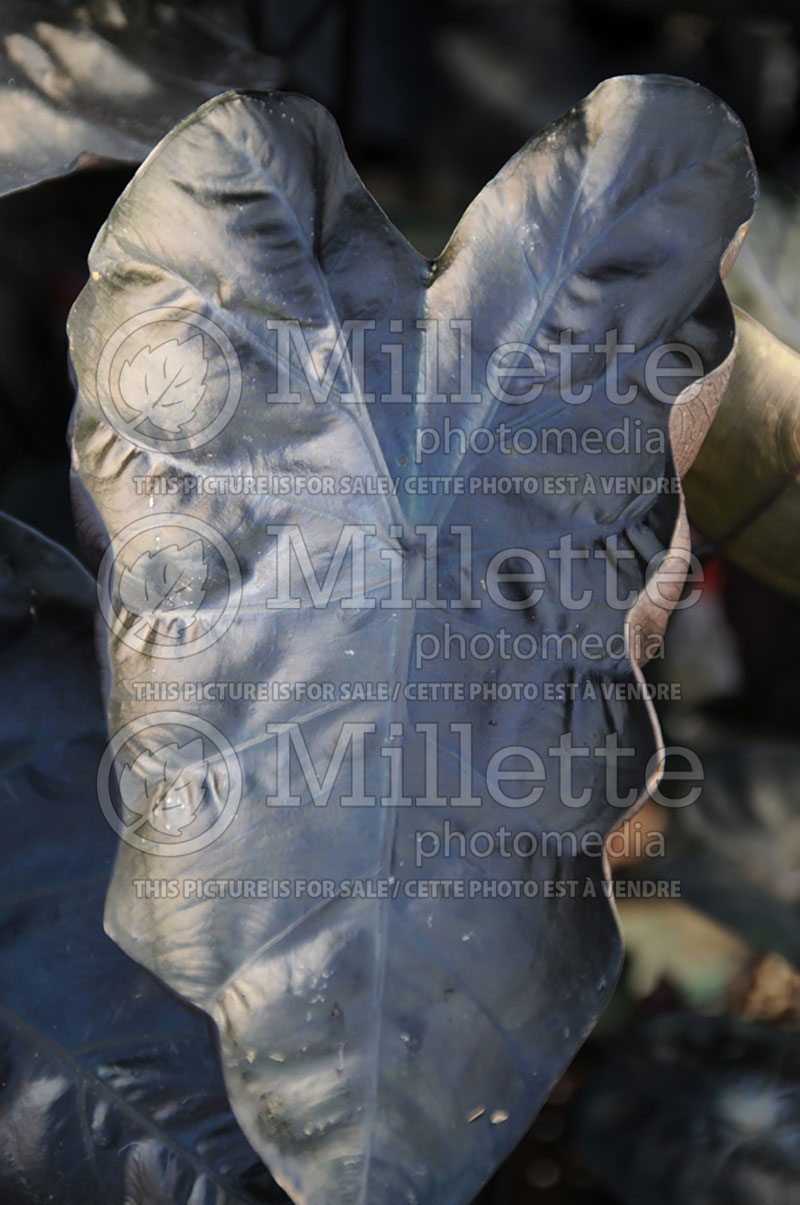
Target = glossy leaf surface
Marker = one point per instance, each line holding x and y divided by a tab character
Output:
394	1047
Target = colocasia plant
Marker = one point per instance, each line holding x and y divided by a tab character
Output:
381	545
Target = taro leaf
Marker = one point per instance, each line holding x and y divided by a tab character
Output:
743	491
172	379
107	78
394	1048
165	581
111	1089
161	788
691	1109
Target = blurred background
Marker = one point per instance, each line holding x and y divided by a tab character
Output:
689	1090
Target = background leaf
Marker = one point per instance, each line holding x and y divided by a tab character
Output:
743	491
696	1109
106	79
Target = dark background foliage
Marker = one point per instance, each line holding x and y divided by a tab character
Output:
432	97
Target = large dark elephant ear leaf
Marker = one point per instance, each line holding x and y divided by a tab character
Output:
110	1087
743	491
387	893
108	78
